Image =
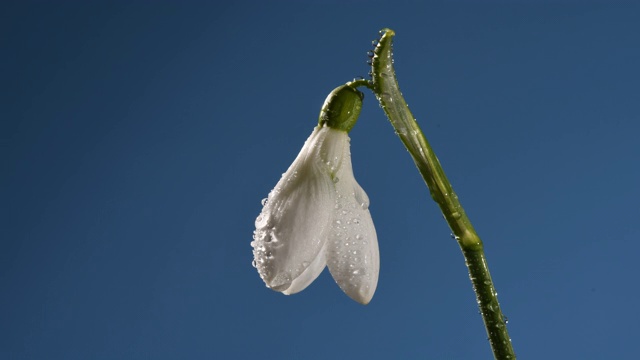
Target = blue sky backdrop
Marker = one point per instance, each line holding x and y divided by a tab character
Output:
138	139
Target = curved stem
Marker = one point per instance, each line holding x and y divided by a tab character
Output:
360	82
385	87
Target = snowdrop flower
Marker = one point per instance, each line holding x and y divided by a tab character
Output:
317	215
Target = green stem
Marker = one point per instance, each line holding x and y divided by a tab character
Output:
385	87
360	82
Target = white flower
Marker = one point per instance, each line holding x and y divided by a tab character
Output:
318	215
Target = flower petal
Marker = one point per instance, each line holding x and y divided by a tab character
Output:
352	250
293	227
308	275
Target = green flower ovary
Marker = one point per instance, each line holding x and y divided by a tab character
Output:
341	108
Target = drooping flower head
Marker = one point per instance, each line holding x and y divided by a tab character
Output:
318	215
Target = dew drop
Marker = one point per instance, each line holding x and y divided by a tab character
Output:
356	221
359	237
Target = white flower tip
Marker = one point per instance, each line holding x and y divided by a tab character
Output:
359	287
362	297
280	283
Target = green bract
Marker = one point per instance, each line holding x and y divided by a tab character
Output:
341	108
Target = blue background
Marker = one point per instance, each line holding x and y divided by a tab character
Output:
139	138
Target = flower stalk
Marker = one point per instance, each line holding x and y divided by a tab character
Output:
385	86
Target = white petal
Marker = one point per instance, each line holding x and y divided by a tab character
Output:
352	251
311	273
331	150
293	227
